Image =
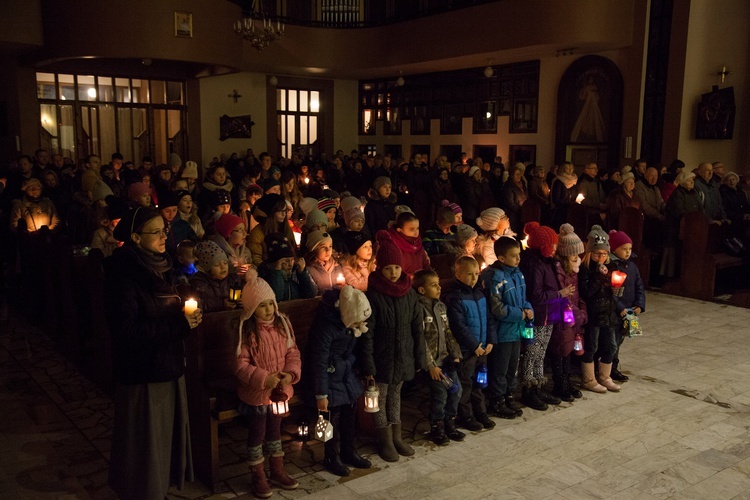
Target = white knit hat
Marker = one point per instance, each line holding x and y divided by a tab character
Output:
307	205
355	309
490	218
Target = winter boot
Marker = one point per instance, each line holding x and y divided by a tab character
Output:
486	421
332	460
605	379
260	486
279	476
470	424
498	408
451	431
437	433
530	397
386	449
588	381
558	378
401	447
546	396
617	374
568	387
510	402
349	454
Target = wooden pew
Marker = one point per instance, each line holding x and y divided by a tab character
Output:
631	223
210	380
702	256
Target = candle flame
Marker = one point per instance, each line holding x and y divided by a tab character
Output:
580	198
525	242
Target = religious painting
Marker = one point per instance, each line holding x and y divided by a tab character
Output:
589	107
235	127
183	24
716	115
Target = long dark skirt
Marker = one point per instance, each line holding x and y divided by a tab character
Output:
150	440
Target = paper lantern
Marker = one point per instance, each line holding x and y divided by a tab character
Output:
323	429
618	278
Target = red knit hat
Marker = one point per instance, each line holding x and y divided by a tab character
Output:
226	224
388	253
542	238
618	239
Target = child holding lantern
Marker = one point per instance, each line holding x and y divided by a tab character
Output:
267	364
329	372
323	268
393	348
595	283
633	293
405	234
286	274
563	340
213	282
358	261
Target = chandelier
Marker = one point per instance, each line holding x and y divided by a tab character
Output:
258	28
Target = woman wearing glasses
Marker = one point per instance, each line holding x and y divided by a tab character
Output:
150	438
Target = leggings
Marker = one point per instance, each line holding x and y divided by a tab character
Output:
532	365
265	428
389	402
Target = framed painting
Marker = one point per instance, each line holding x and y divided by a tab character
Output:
183	24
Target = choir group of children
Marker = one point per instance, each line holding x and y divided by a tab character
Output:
473	340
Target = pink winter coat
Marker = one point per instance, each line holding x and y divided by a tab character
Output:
269	351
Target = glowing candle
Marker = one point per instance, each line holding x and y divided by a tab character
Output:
190	306
525	242
484	265
580	198
298	238
340	280
371	398
307	180
618	278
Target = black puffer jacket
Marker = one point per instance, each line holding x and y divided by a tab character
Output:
329	358
145	320
394	346
595	289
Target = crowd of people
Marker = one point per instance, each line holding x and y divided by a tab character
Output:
350	229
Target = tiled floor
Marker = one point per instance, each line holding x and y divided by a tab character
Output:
679	429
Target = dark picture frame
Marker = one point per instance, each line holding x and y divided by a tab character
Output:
235	127
716	112
521	153
183	24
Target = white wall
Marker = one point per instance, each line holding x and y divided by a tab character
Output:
717	35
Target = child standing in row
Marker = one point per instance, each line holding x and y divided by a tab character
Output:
494	223
405	235
213	280
562	342
475	333
393	348
599	336
443	356
633	295
329	372
544	295
268	363
505	288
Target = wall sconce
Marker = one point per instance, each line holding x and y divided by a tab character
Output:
400	80
488	72
273	80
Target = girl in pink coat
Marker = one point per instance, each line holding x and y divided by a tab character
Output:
267	364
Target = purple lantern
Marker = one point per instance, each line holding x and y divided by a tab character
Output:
569	317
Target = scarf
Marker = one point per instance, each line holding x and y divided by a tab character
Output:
568	180
156	263
407	244
212	186
376	281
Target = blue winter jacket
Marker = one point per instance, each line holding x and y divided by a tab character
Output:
467	316
505	288
634	293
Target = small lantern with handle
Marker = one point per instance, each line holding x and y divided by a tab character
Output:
371	398
323	429
569	316
482	376
303	430
279	402
578	345
618	279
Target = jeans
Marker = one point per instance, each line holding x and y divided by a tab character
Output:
599	342
503	363
442	403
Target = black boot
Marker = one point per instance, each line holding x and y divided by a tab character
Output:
569	388
530	397
437	433
332	461
510	402
451	431
545	396
402	447
616	374
498	408
558	378
349	454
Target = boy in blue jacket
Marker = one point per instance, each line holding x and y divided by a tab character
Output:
633	294
505	287
475	333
